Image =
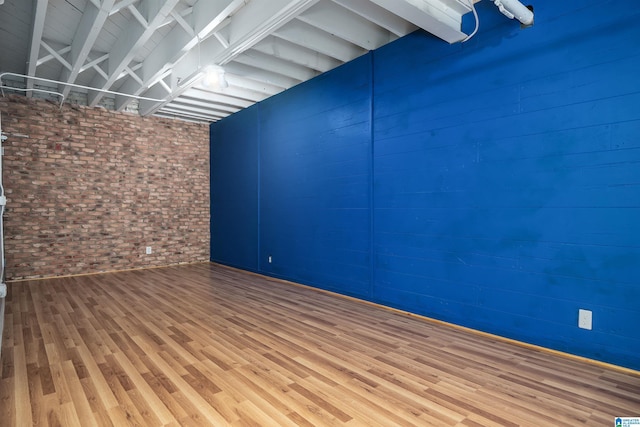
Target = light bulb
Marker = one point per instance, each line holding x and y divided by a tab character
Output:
214	79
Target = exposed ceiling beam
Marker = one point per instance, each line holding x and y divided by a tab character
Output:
296	54
250	94
249	26
207	16
205	103
315	39
255	22
204	111
47	58
172	113
90	26
340	22
56	54
95	62
37	28
249	72
122	4
276	65
255	85
380	16
135	36
442	18
197	93
162	48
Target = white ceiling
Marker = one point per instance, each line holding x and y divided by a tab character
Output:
160	49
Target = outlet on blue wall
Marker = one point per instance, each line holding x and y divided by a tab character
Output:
315	158
493	184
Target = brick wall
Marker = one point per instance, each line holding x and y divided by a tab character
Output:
89	189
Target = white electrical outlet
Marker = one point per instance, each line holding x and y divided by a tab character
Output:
149	251
270	260
585	319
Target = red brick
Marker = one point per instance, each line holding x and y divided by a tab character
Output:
90	188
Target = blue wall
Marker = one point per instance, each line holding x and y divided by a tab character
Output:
315	174
493	184
234	190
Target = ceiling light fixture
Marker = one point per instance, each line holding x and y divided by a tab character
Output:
214	78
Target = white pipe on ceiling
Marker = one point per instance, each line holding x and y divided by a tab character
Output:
73	85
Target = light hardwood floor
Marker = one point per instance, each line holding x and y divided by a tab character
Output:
205	345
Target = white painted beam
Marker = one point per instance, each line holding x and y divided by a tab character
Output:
344	24
315	39
37	28
442	18
183	13
248	26
250	93
90	26
183	118
251	73
197	93
255	85
246	94
256	21
122	4
100	71
132	73
204	111
188	117
378	15
206	104
56	54
276	65
53	54
192	113
206	17
175	112
135	36
183	23
296	54
147	108
135	13
94	63
47	58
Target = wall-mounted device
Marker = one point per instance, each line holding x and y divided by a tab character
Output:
514	9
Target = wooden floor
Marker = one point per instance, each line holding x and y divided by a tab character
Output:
205	345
